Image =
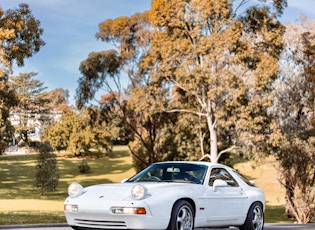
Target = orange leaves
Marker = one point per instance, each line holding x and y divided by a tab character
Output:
112	30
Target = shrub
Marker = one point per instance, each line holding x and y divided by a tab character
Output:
84	167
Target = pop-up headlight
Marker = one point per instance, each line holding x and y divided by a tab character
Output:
75	190
138	192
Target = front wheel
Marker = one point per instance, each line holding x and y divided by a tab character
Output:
255	218
75	228
182	217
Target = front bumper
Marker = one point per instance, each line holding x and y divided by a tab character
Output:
99	216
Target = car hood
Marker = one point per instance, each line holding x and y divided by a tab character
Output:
122	191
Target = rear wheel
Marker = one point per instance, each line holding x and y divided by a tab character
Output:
255	218
182	217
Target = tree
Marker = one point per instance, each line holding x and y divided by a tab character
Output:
33	104
105	70
154	139
47	176
293	111
89	138
57	133
220	66
58	99
297	175
7	100
25	34
110	113
20	38
76	133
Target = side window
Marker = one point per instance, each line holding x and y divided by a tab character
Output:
222	174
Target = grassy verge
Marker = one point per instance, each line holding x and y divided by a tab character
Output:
26	217
21	203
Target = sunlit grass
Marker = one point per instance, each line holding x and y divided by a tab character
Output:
19	199
34	217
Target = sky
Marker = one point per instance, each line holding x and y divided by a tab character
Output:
69	33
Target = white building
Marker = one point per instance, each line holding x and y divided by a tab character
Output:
35	123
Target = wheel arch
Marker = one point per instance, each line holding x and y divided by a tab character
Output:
254	202
186	199
189	200
260	202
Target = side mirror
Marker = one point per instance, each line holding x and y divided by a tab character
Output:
219	183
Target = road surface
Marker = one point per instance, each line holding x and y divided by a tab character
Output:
65	227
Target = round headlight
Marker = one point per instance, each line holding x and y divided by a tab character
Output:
75	189
138	191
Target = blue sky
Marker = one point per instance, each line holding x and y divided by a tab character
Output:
69	32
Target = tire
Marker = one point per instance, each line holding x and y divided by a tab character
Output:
255	218
75	227
182	216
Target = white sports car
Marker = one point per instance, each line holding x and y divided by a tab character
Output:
177	195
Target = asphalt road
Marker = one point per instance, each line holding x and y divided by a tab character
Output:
65	227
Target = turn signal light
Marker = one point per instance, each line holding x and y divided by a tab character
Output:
141	211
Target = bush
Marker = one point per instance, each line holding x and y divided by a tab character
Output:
84	167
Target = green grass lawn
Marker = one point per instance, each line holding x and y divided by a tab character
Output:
21	203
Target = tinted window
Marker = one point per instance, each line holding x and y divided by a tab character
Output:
222	174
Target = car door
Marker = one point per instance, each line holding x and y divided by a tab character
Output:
224	203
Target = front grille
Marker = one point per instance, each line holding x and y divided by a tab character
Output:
101	224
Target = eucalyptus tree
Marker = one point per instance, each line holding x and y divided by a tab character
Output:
107	70
294	114
129	95
220	59
20	38
58	98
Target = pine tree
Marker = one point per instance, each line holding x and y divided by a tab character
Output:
47	177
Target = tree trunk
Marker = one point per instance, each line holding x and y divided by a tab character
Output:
213	140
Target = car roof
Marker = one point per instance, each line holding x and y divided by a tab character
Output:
209	164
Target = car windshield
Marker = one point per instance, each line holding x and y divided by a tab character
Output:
172	172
